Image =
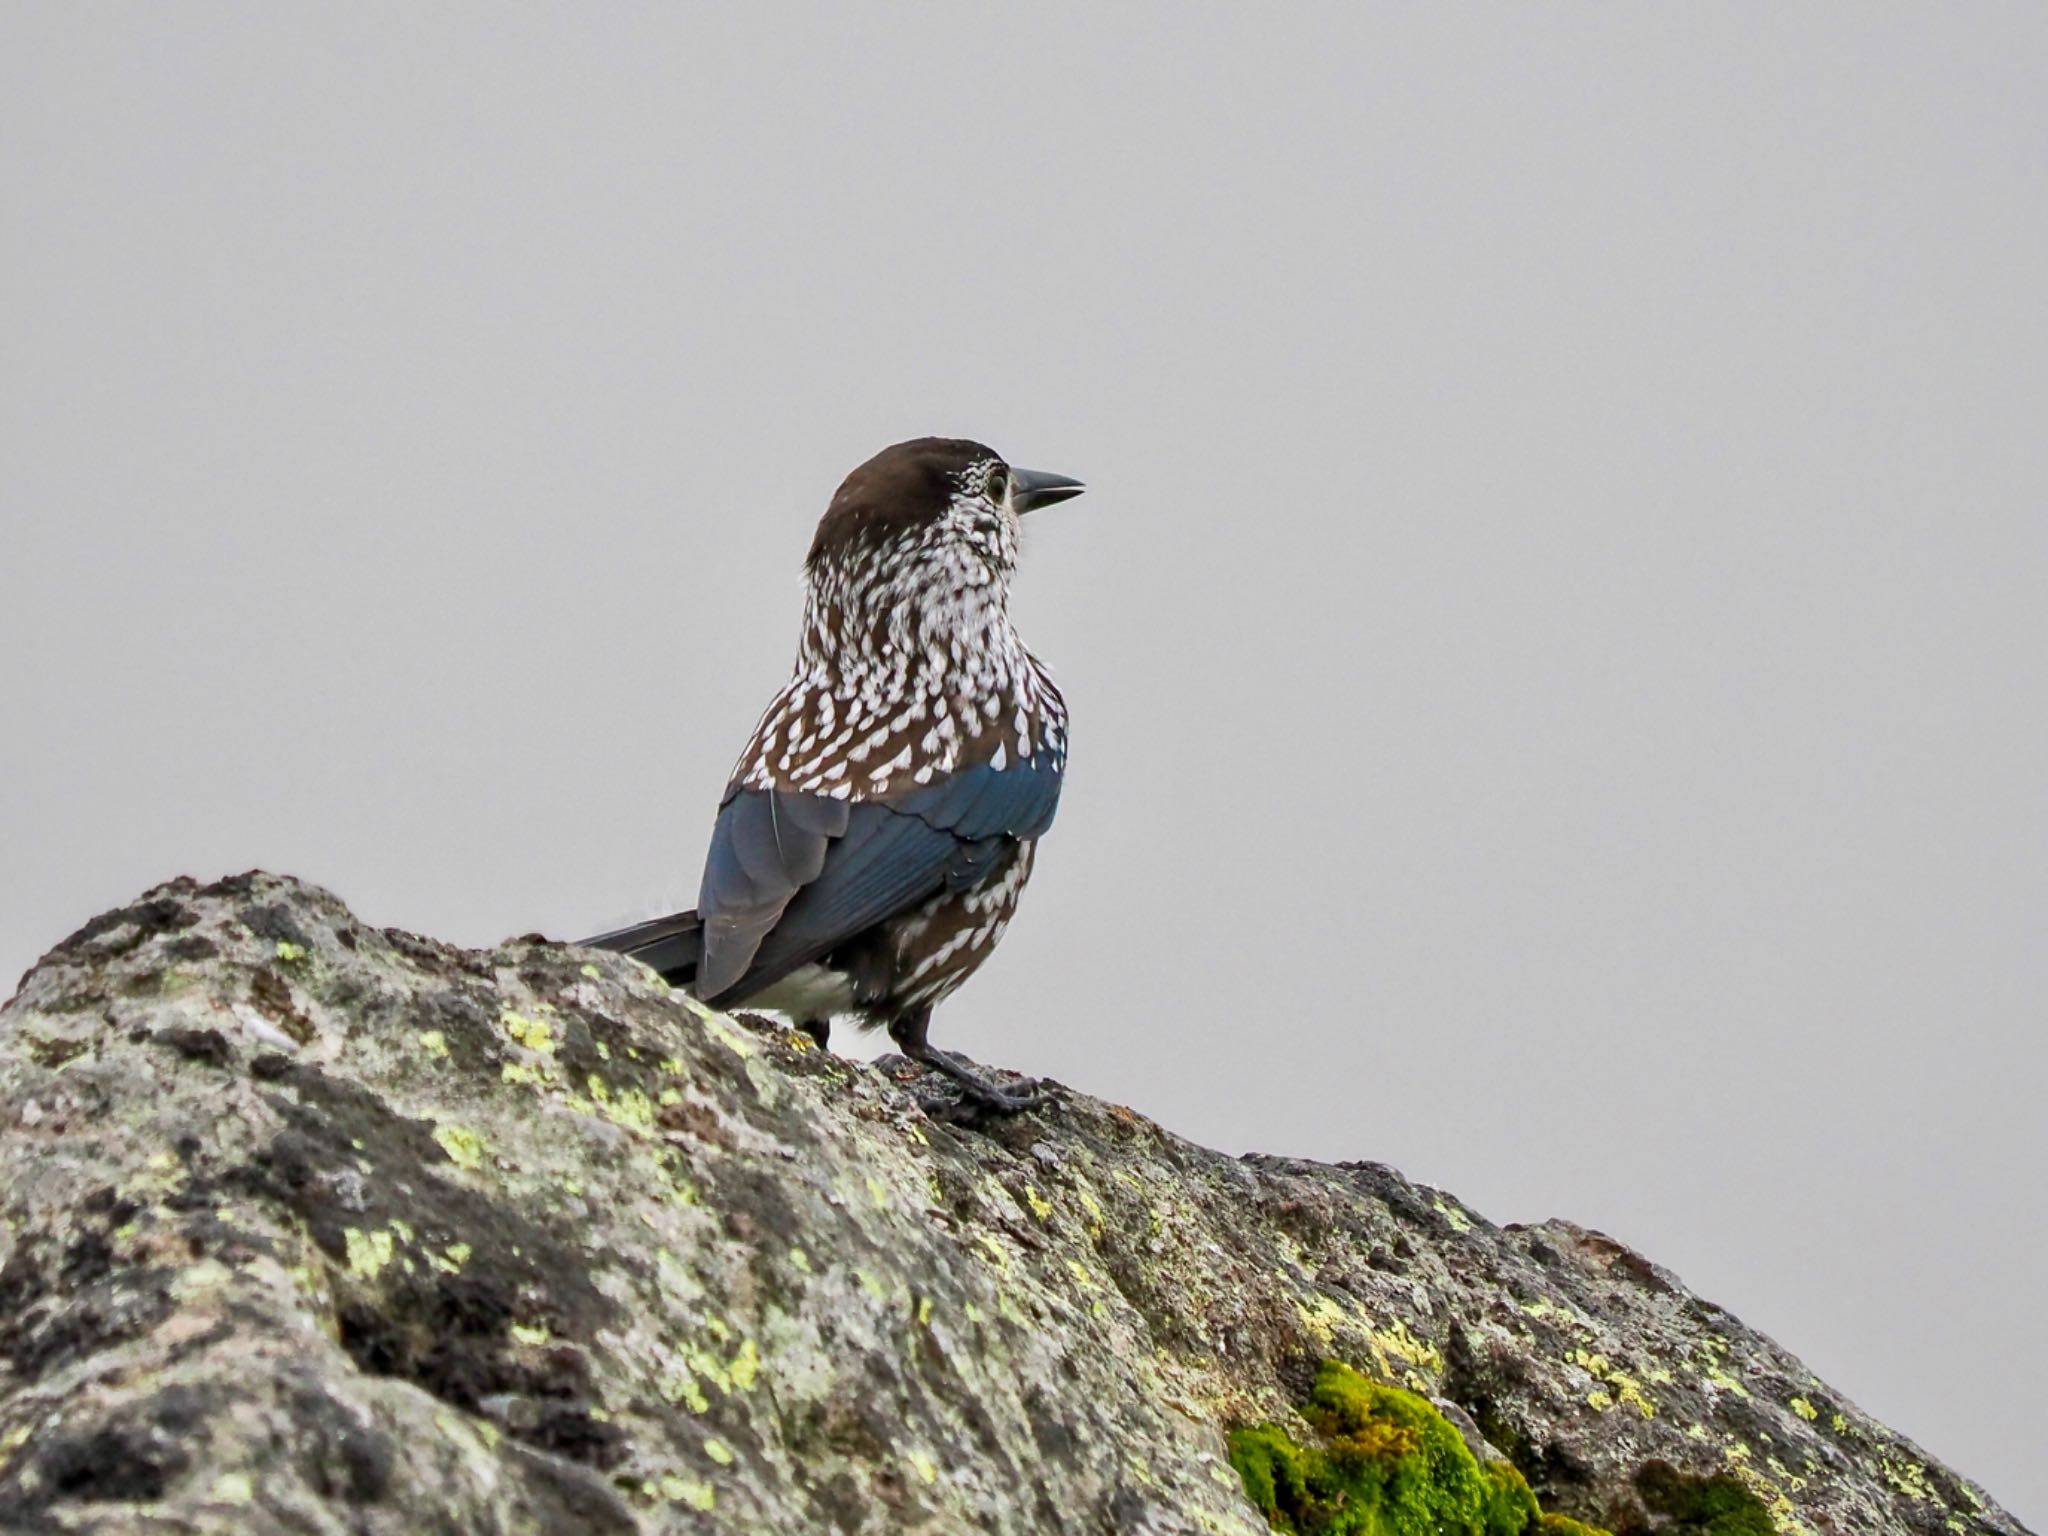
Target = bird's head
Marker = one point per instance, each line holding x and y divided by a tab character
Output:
937	510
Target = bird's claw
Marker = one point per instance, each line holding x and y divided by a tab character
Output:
1009	1101
971	1106
976	1098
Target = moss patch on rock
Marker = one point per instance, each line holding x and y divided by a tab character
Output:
1385	1463
1702	1506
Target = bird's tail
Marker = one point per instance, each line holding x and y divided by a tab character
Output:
671	945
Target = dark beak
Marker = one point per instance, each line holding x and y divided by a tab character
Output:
1034	488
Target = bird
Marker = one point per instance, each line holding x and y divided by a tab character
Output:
881	823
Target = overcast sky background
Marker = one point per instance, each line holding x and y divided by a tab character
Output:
1557	636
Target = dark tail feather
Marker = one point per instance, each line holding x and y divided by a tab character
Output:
671	945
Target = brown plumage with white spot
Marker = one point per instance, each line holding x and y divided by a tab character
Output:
881	824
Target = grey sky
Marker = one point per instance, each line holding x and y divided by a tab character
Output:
1557	639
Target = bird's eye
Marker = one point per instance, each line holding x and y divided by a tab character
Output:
998	483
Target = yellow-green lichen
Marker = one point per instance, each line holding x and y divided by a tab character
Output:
1804	1409
686	1490
368	1252
434	1043
1383	1462
1418	1357
727	1036
1321	1315
534	1034
632	1109
1616	1385
1715	1351
681	1387
1459	1221
1094	1209
289	953
708	1367
994	1249
746	1366
1908	1477
465	1148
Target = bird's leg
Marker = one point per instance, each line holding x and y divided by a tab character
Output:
908	1031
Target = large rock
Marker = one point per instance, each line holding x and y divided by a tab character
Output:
312	1227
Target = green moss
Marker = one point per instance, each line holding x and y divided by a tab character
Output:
1702	1506
1386	1464
1507	1506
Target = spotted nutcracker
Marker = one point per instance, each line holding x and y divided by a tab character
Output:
880	825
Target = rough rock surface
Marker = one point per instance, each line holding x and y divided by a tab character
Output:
307	1226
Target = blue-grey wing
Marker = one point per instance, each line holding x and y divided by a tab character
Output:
771	906
1016	801
766	845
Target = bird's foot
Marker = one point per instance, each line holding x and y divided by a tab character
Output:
972	1111
978	1098
975	1106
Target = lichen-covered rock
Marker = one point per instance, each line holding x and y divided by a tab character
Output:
308	1227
